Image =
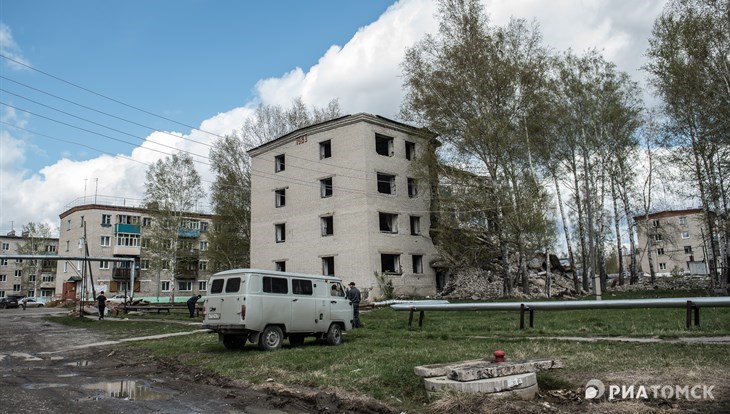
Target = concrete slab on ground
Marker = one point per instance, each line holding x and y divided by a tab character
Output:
471	371
489	385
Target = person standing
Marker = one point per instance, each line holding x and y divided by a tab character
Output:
101	304
353	295
191	304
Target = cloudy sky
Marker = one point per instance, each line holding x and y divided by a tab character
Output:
93	92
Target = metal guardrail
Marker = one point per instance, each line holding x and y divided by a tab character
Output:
691	304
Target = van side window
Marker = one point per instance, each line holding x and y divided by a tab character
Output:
275	285
336	290
233	285
301	287
217	286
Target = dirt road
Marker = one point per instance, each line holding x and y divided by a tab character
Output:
91	374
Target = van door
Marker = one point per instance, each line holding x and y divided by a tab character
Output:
340	308
276	302
223	303
304	312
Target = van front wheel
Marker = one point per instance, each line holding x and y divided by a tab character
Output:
334	335
271	338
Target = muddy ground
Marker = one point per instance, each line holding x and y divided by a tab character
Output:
41	372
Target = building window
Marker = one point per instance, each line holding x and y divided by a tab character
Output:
390	263
685	235
410	150
280	266
106	220
49	277
3	278
384	145
415	225
417	263
6	246
327	223
18	261
204	226
68	243
655	223
325	187
51	248
325	149
3	262
16	288
128	240
146	221
662	266
280	230
65	267
412	188
185	286
386	183
18	273
203	265
165	286
280	197
68	224
388	222
202	285
165	264
203	246
127	219
688	249
104	264
31	278
144	264
658	237
105	241
279	163
328	266
683	220
660	251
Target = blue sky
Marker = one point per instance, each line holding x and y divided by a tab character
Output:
207	64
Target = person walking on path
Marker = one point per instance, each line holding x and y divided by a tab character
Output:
101	304
191	304
353	295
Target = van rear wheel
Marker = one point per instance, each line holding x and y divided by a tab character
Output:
271	338
334	335
234	342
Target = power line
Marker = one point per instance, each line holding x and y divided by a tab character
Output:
107	97
98	111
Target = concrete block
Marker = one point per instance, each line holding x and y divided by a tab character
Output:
528	393
489	385
439	370
476	370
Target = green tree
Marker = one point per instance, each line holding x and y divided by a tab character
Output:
173	190
231	192
689	64
481	88
36	237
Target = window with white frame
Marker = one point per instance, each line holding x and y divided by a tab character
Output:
68	224
106	219
388	222
203	265
3	278
16	288
18	261
386	183
51	248
184	285
31	277
146	221
3	262
127	219
204	246
325	187
105	241
280	232
204	226
279	163
384	145
327	224
660	251
685	235
144	264
655	223
658	237
203	285
688	249
662	266
65	267
104	264
683	221
128	240
68	243
280	197
6	246
328	266
415	225
165	286
49	277
165	264
18	273
325	149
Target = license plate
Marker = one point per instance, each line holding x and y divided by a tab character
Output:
214	316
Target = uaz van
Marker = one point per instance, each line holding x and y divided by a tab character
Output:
265	307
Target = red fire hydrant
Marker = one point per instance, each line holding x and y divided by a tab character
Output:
498	355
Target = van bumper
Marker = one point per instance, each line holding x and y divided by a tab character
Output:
227	329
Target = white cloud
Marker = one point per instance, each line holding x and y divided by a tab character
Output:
9	48
364	74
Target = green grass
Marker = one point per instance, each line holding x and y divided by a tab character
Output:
378	360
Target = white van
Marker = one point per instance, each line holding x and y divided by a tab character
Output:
264	307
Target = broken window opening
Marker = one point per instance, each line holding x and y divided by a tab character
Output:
384	145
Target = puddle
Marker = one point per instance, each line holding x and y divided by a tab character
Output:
128	390
43	386
80	364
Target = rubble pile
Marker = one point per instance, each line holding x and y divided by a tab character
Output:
689	282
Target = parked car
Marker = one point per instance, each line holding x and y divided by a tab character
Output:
33	302
6	303
119	298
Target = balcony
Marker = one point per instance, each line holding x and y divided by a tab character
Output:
126	228
188	233
126	250
186	274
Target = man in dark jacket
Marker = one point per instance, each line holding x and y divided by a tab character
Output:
191	304
101	304
353	295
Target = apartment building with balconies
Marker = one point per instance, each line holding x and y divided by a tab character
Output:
27	277
118	228
344	198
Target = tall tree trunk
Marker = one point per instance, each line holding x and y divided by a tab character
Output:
589	271
581	224
617	229
565	231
